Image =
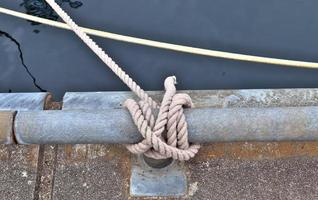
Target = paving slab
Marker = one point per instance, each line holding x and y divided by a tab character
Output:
18	169
225	178
91	172
19	163
257	170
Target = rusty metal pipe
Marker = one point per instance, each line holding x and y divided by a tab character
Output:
205	125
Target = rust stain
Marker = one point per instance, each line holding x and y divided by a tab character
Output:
74	153
32	153
125	169
83	152
307	149
50	104
6	123
4	152
258	150
68	150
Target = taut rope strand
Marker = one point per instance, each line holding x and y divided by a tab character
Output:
102	55
164	45
170	117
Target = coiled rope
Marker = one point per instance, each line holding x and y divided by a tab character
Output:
170	118
164	45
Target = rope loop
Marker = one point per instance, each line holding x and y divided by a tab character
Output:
167	135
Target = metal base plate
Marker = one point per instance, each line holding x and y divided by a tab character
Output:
148	181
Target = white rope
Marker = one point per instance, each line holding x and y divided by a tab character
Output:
169	46
170	117
102	55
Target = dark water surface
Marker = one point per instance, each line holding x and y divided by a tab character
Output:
60	62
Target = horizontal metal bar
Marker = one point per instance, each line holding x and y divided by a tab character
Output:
204	124
22	101
200	98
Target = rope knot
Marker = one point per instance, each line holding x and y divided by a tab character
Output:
167	135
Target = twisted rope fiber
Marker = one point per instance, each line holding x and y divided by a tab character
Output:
170	118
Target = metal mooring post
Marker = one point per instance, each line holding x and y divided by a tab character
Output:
149	177
219	116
